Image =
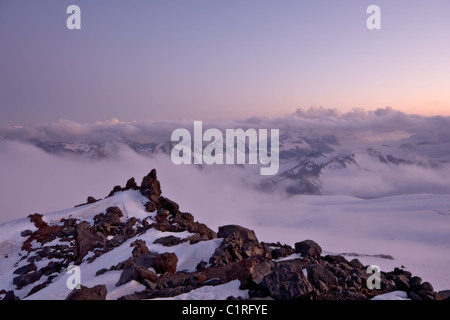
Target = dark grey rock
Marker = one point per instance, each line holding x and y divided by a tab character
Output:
95	293
137	273
10	296
335	258
26	233
168	241
427	287
212	282
25	269
317	273
355	263
26	279
402	282
415	281
243	233
308	248
164	262
283	283
445	294
86	240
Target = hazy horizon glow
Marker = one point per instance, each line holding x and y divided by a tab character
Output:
218	60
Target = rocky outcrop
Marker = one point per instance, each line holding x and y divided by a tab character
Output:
150	186
238	244
266	270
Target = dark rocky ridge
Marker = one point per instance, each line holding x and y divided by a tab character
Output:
308	275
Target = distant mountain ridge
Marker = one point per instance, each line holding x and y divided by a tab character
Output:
304	161
303	174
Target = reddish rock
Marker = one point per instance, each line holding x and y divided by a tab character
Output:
131	184
150	185
95	293
139	248
162	263
86	240
308	248
161	216
37	220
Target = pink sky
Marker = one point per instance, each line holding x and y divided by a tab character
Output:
212	60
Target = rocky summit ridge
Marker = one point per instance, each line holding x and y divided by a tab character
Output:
266	270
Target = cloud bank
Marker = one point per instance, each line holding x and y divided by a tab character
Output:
32	180
313	120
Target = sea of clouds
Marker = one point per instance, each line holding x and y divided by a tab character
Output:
32	180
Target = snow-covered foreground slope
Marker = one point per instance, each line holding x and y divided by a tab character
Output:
131	204
410	231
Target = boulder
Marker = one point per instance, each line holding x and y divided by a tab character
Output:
25	269
336	259
355	263
243	233
114	190
168	241
308	248
137	273
91	200
249	271
131	184
36	218
26	233
70	223
150	206
318	274
426	291
43	235
38	287
445	294
171	206
10	296
284	283
415	282
281	251
162	263
150	185
427	287
185	222
111	217
161	215
402	282
86	240
238	243
139	248
84	293
27	279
